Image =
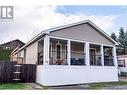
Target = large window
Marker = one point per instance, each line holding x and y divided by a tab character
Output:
95	55
77	53
108	56
58	52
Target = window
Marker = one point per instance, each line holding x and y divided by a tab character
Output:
7	47
95	55
77	53
108	56
58	52
121	63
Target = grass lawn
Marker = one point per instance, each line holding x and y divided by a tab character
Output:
92	86
105	84
17	86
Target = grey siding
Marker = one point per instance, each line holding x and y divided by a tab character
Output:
31	53
82	32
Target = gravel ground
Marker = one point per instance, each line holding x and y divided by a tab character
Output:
124	87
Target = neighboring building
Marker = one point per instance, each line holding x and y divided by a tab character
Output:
72	54
17	56
122	64
12	44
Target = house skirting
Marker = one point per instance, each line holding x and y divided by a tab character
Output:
67	75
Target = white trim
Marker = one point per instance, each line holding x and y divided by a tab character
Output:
102	55
83	22
69	52
62	38
85	52
87	60
114	56
46	50
111	46
41	39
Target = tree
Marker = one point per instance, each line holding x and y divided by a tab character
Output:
4	54
113	36
122	42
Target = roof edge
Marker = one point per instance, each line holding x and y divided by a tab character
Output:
48	31
84	22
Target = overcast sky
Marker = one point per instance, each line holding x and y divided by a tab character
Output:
30	20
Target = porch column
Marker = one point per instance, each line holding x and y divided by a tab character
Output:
69	52
46	50
87	60
102	55
114	56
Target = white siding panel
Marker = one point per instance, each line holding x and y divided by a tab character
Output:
64	75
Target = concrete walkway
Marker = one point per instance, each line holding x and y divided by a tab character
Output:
71	87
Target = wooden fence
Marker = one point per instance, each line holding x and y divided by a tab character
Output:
13	72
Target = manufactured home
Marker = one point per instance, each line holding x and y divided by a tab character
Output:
71	54
122	64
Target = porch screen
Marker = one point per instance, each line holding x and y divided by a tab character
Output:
58	52
77	53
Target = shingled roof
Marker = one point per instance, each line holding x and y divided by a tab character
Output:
12	44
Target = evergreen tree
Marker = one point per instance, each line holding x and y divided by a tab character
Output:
113	36
122	41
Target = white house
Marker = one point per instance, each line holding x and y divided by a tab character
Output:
122	64
72	54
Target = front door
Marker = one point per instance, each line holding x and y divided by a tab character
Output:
92	57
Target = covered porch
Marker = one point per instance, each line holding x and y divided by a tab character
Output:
61	51
67	61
